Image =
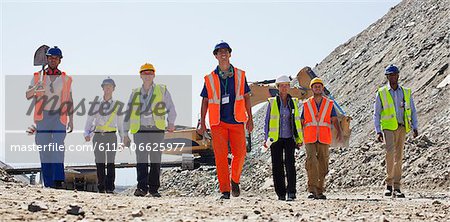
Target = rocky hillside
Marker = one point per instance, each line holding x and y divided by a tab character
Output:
414	35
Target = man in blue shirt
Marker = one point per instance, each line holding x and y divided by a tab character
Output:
226	97
394	115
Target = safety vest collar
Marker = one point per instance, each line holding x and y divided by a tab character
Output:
151	89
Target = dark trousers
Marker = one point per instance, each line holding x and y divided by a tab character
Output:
279	164
148	142
105	146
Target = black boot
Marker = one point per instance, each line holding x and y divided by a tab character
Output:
388	191
291	197
398	193
139	192
225	196
235	190
320	196
311	195
58	184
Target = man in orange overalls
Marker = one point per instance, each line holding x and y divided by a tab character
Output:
226	96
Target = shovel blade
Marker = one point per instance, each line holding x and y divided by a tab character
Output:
40	59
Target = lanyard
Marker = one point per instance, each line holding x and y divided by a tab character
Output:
225	86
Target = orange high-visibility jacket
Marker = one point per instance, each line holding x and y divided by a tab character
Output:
317	126
212	83
64	97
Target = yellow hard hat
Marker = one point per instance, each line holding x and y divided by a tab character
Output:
147	66
315	80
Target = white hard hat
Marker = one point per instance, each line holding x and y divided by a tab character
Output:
283	79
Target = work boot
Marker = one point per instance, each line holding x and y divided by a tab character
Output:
225	196
140	192
235	191
311	195
388	191
291	197
283	198
155	194
320	196
101	188
58	184
398	193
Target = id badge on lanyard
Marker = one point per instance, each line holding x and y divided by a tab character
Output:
226	96
225	99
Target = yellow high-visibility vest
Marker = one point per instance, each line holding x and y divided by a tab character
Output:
135	117
107	126
388	114
274	121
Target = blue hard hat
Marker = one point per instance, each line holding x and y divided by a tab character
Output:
108	81
55	51
221	45
391	69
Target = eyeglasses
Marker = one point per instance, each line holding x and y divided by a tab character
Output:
147	72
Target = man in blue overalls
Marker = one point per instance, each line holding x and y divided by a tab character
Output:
53	104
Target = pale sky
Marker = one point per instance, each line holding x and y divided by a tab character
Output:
268	38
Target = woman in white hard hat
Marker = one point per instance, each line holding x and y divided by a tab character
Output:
283	128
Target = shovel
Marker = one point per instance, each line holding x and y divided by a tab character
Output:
40	59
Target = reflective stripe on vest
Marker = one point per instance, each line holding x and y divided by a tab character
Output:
317	126
274	121
135	116
212	83
388	116
107	126
64	98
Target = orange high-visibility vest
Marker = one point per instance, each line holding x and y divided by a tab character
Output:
65	97
212	83
317	125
